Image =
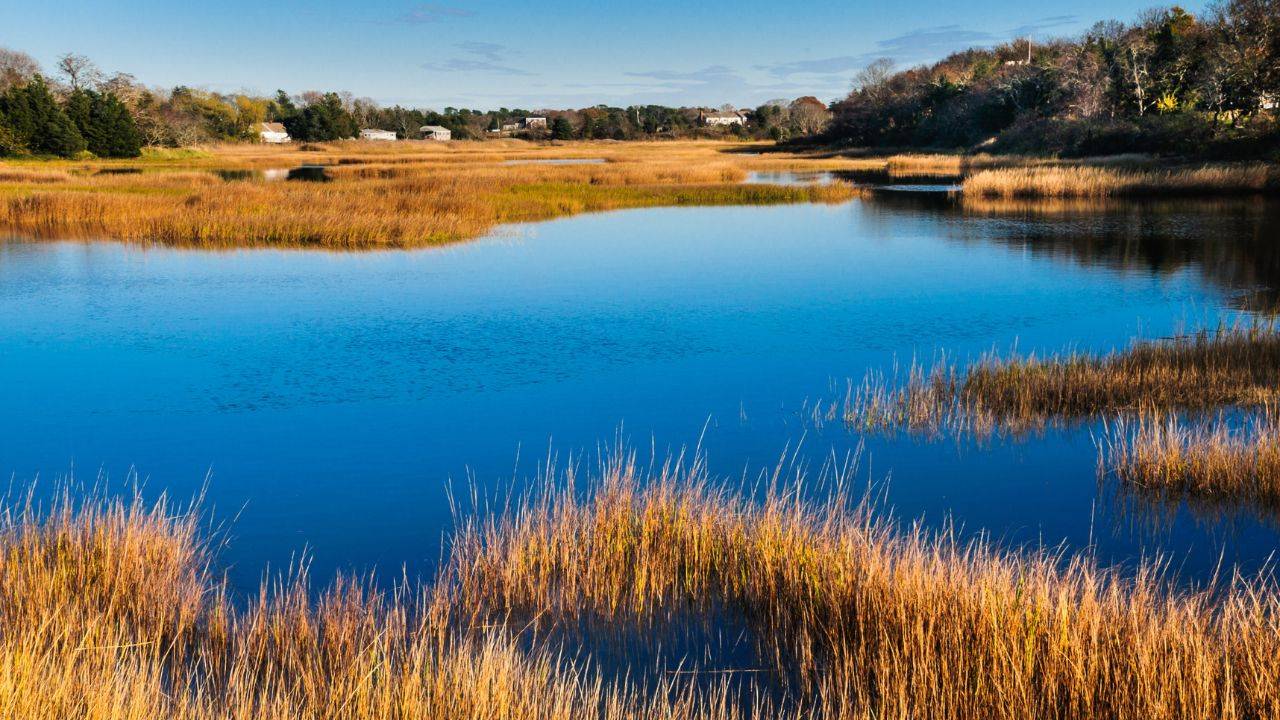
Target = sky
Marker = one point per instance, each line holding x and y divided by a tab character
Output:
487	54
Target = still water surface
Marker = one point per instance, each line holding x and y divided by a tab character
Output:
329	398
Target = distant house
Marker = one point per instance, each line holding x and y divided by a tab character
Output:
528	123
435	132
381	135
271	132
724	117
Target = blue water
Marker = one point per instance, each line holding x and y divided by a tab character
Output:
327	400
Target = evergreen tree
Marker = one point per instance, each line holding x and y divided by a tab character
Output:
112	132
36	123
325	119
561	128
105	123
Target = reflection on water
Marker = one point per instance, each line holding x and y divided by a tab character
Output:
236	175
878	180
1230	242
789	177
307	173
557	161
332	397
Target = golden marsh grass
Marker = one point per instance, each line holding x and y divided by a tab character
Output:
1065	181
380	195
112	610
1238	365
1163	455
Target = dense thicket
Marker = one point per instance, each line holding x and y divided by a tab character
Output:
105	124
1169	82
32	120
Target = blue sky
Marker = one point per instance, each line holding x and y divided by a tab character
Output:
552	53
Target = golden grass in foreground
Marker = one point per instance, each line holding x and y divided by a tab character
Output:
1103	181
406	195
1162	456
1228	366
112	612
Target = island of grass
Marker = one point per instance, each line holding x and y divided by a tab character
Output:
416	193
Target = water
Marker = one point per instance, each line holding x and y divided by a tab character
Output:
557	161
306	173
877	180
328	399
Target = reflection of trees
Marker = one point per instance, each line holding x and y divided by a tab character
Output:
1233	243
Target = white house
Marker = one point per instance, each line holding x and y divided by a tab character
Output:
271	132
731	117
373	134
535	122
435	132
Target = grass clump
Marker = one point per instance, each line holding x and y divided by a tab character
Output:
1099	180
1215	462
1238	365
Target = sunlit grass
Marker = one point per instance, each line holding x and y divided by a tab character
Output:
1106	181
113	610
1238	365
380	195
1168	456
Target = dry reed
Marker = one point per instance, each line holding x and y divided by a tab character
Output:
873	621
1213	462
1107	181
1237	365
111	611
400	195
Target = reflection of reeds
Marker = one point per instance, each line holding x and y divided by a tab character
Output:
1161	455
1237	365
112	612
1102	181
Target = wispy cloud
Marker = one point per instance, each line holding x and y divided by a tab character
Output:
1039	27
481	57
430	13
920	45
487	50
468	65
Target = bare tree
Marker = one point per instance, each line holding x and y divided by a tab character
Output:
1135	62
125	87
16	68
874	75
1084	78
79	70
809	115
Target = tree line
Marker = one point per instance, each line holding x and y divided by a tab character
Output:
1169	82
80	108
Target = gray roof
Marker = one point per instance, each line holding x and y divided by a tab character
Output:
433	128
